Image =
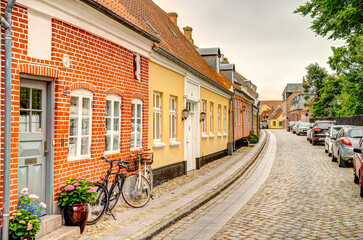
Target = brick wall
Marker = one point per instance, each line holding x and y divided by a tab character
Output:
243	120
97	65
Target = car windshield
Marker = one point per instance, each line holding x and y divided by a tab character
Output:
335	130
324	125
356	133
304	124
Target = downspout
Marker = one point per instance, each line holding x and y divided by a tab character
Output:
6	23
233	112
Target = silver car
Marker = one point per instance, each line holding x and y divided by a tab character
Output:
347	139
308	132
302	128
331	136
294	127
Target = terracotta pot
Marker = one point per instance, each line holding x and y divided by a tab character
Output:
76	215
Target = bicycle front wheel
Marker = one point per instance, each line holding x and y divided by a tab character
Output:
149	176
136	191
114	195
97	207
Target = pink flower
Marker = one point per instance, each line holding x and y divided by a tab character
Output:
89	181
76	184
62	185
90	190
24	191
30	226
69	188
79	178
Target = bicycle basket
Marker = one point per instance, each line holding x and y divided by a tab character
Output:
148	157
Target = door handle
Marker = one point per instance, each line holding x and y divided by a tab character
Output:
45	148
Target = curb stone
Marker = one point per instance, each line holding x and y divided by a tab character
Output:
184	211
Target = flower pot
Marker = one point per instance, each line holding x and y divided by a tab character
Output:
76	215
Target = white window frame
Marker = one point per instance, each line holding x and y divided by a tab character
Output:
211	105
172	118
204	103
224	120
157	114
113	98
81	94
137	145
219	119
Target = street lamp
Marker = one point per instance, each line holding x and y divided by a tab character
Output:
339	103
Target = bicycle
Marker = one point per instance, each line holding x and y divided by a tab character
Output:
135	192
145	158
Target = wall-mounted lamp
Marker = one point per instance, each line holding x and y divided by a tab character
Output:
202	116
244	108
339	102
185	114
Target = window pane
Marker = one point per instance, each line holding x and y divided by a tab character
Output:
24	98
116	143
73	126
116	109
74	105
36	98
139	110
24	121
132	140
138	140
107	142
108	125
84	146
86	106
157	121
133	123
72	147
85	126
36	122
138	125
157	101
116	124
108	108
133	106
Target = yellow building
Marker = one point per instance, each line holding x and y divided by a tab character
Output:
275	119
215	128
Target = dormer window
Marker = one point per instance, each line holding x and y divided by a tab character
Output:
137	67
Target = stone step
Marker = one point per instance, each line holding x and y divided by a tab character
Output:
63	233
49	224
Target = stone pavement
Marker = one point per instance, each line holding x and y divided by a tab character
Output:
307	196
174	199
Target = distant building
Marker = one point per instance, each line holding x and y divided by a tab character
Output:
291	90
275	119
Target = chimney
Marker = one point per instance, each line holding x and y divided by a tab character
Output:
188	33
173	17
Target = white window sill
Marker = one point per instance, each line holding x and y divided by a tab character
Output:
204	136
159	145
211	135
225	134
76	158
174	143
112	152
220	135
135	149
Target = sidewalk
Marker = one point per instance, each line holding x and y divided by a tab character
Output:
174	199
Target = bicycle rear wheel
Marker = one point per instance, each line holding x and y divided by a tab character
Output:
136	191
150	177
114	195
97	208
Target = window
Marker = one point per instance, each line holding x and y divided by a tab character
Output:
211	117
112	127
172	119
219	119
224	119
80	124
157	116
203	110
137	67
280	123
136	123
273	123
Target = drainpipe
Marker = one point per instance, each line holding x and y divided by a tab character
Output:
6	23
233	112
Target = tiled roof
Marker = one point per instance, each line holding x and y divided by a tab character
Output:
276	114
137	11
275	104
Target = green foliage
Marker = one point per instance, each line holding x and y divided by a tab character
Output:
336	18
76	190
314	78
253	138
26	221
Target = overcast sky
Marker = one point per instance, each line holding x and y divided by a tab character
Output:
269	44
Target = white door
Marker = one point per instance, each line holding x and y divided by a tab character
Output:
32	137
190	137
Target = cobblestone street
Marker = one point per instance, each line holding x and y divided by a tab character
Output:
306	196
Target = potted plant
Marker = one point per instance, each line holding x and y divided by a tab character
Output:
75	194
25	223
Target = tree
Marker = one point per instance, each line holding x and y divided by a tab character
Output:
314	78
339	19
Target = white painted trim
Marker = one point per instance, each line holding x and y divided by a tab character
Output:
204	136
82	16
174	143
211	135
158	145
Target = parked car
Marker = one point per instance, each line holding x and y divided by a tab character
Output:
331	136
319	130
289	126
308	132
293	129
358	166
347	138
302	128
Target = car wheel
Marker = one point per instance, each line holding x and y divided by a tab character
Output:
333	159
311	141
356	179
326	150
314	143
341	161
360	186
